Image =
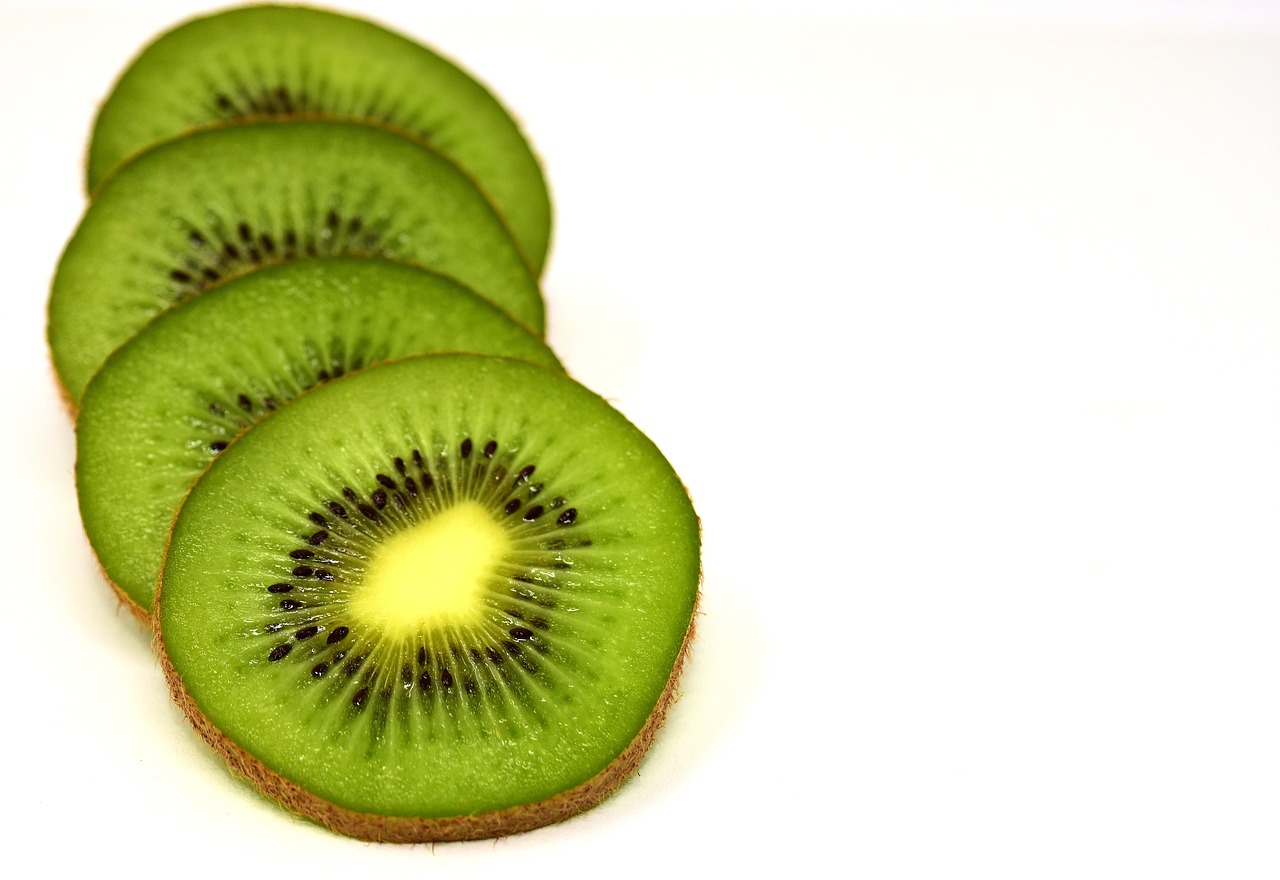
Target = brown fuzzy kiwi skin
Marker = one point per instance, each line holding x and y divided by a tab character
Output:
135	610
410	829
138	613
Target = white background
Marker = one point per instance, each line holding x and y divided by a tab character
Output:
961	323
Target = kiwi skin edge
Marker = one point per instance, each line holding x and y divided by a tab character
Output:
136	611
412	829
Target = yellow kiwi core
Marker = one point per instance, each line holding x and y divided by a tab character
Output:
434	574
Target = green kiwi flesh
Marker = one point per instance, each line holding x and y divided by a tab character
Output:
172	397
533	700
274	62
190	213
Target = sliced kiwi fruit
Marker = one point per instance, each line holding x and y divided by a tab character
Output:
190	213
175	395
274	62
442	598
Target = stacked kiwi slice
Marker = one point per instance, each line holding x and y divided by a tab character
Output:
406	575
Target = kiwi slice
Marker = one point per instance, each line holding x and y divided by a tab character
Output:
274	62
190	213
175	395
442	598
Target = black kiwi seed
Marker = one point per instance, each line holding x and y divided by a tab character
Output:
280	588
400	469
417	459
318	538
338	510
319	669
279	652
218	445
306	632
379	498
303	571
349	493
424	681
180	276
386	481
490	448
353	667
290	605
533	513
465	448
338	634
446	679
406	674
492	653
245	403
525	473
360	697
301	553
369	512
568	517
422	656
319	520
512	506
